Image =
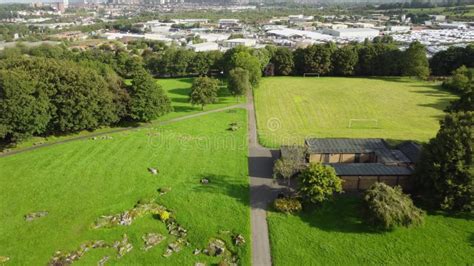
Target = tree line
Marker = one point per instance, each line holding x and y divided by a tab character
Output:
43	96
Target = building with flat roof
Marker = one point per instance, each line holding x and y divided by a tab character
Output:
240	41
360	33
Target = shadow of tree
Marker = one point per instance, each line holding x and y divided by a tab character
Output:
343	214
225	185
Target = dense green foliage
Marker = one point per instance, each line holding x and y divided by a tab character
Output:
287	205
318	183
283	61
445	173
445	62
147	99
387	208
415	61
239	82
204	91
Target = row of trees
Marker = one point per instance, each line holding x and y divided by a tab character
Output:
445	173
40	96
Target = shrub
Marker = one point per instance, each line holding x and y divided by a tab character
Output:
319	182
387	208
164	215
287	205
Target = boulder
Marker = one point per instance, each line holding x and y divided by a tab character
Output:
196	251
103	261
239	240
35	215
151	240
153	171
205	181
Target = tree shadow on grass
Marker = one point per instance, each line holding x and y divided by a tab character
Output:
343	214
185	109
223	184
180	91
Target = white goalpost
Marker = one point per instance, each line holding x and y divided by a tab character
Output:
310	75
374	122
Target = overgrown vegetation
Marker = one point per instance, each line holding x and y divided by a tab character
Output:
387	208
287	205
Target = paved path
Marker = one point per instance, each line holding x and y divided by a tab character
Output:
263	190
5	154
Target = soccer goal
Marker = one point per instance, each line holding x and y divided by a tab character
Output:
363	123
310	75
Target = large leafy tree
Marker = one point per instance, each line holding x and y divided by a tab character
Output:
318	183
415	62
314	59
204	91
344	61
24	110
250	63
445	171
148	101
283	61
239	81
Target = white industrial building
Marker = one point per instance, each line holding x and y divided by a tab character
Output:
236	42
299	34
228	23
353	33
204	47
398	29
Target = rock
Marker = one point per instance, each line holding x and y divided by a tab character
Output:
216	247
103	261
204	181
4	259
151	240
35	215
153	171
196	251
239	240
123	246
162	191
168	252
175	246
200	264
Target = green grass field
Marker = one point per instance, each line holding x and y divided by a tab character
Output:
79	181
289	109
177	89
335	235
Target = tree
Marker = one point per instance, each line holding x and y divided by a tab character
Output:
319	182
204	91
415	62
286	169
459	81
148	101
238	82
444	173
387	208
23	110
344	61
283	61
314	59
248	62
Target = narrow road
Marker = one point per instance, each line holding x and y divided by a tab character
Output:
5	154
263	190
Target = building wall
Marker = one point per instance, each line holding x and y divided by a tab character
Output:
341	158
357	183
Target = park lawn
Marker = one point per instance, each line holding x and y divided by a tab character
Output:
77	182
290	109
336	235
176	88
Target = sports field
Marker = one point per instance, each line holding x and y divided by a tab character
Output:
335	235
77	182
290	109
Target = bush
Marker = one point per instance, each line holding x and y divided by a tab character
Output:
164	215
387	208
287	205
319	182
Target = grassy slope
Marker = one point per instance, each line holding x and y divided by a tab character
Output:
79	181
323	107
177	89
335	235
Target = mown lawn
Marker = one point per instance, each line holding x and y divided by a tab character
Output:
79	181
177	89
336	235
290	109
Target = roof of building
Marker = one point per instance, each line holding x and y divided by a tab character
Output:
344	145
411	150
370	169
